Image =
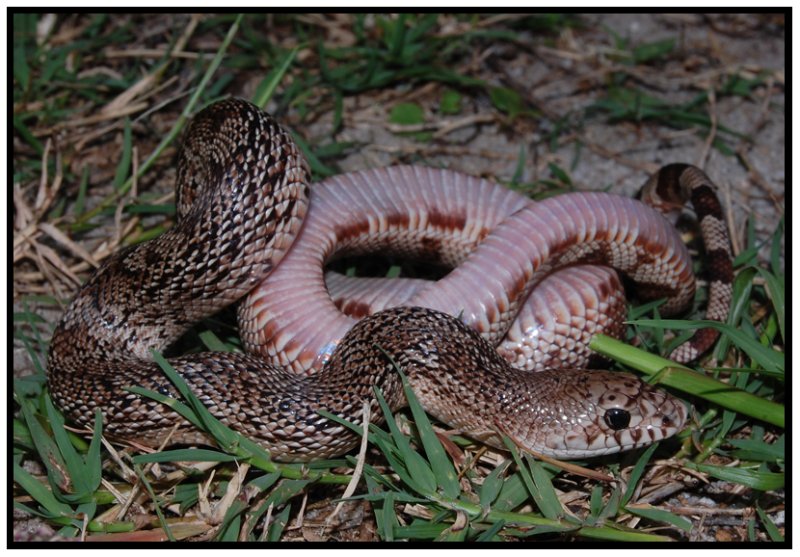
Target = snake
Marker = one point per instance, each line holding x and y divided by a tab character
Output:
243	194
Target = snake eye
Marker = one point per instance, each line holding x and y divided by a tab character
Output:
617	418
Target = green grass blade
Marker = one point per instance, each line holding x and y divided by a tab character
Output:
20	66
724	395
769	359
607	533
166	209
776	290
223	435
40	493
776	248
124	164
374	482
420	476
757	449
231	522
389	518
267	87
611	508
443	469
279	522
282	494
186	455
170	402
544	486
595	502
46	447
420	531
492	484
21	435
490	534
80	200
376	477
652	50
86	511
27	135
660	515
213	343
156	503
636	473
377	435
228	439
319	169
740	306
754	479
512	494
543	499
76	467
263	483
93	461
450	534
772	530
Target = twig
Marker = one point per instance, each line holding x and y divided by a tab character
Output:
647	167
46	253
712	132
267	520
362	456
231	493
566	466
443	127
73	247
146	83
155	53
298	523
137	485
99	117
448	150
707	510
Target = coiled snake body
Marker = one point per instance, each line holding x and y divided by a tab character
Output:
242	196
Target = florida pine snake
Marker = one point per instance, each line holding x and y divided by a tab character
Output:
242	195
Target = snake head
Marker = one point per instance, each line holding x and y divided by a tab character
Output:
601	412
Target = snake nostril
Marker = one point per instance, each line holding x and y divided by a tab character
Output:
666	421
617	418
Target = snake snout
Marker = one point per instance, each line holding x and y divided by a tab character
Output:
637	414
609	413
